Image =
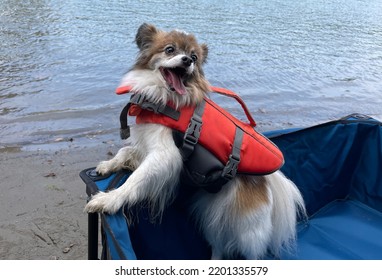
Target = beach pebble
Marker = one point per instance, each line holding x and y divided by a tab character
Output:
67	249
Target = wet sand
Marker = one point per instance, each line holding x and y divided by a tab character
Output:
42	199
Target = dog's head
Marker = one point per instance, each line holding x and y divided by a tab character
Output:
171	63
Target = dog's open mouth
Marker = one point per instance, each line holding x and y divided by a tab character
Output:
174	78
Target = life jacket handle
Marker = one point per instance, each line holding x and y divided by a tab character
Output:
230	93
223	91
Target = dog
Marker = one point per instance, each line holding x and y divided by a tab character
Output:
251	215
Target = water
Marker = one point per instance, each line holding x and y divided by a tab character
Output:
295	63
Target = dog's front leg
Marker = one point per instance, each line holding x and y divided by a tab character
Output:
155	180
125	158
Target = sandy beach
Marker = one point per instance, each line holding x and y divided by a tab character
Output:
42	199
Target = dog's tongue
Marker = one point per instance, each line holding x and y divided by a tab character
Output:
175	81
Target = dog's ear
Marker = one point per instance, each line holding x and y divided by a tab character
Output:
204	48
145	35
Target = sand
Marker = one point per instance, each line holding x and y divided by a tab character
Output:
41	202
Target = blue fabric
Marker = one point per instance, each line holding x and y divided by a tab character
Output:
102	185
119	233
173	237
336	165
343	229
115	226
334	161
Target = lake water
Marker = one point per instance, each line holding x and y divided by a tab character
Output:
295	63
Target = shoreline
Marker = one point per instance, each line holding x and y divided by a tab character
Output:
42	200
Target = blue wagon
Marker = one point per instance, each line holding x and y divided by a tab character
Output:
337	166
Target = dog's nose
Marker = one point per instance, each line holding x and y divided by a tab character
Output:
186	61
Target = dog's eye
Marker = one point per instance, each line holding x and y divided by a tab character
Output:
194	57
169	50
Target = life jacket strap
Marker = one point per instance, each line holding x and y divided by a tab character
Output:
232	165
141	101
192	134
125	128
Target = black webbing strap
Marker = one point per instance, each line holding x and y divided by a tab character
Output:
231	167
125	128
141	101
192	134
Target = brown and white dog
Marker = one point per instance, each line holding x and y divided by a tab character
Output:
250	215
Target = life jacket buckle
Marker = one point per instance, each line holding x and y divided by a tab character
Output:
141	101
191	136
230	170
137	99
193	131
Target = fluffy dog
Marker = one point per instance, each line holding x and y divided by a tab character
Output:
250	215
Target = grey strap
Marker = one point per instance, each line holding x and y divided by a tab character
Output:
231	167
141	101
192	134
138	99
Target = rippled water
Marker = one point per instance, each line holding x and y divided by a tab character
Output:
295	63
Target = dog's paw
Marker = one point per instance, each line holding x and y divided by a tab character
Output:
104	203
105	167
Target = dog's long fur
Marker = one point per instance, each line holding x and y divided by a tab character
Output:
250	215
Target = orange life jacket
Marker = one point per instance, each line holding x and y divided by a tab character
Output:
236	144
